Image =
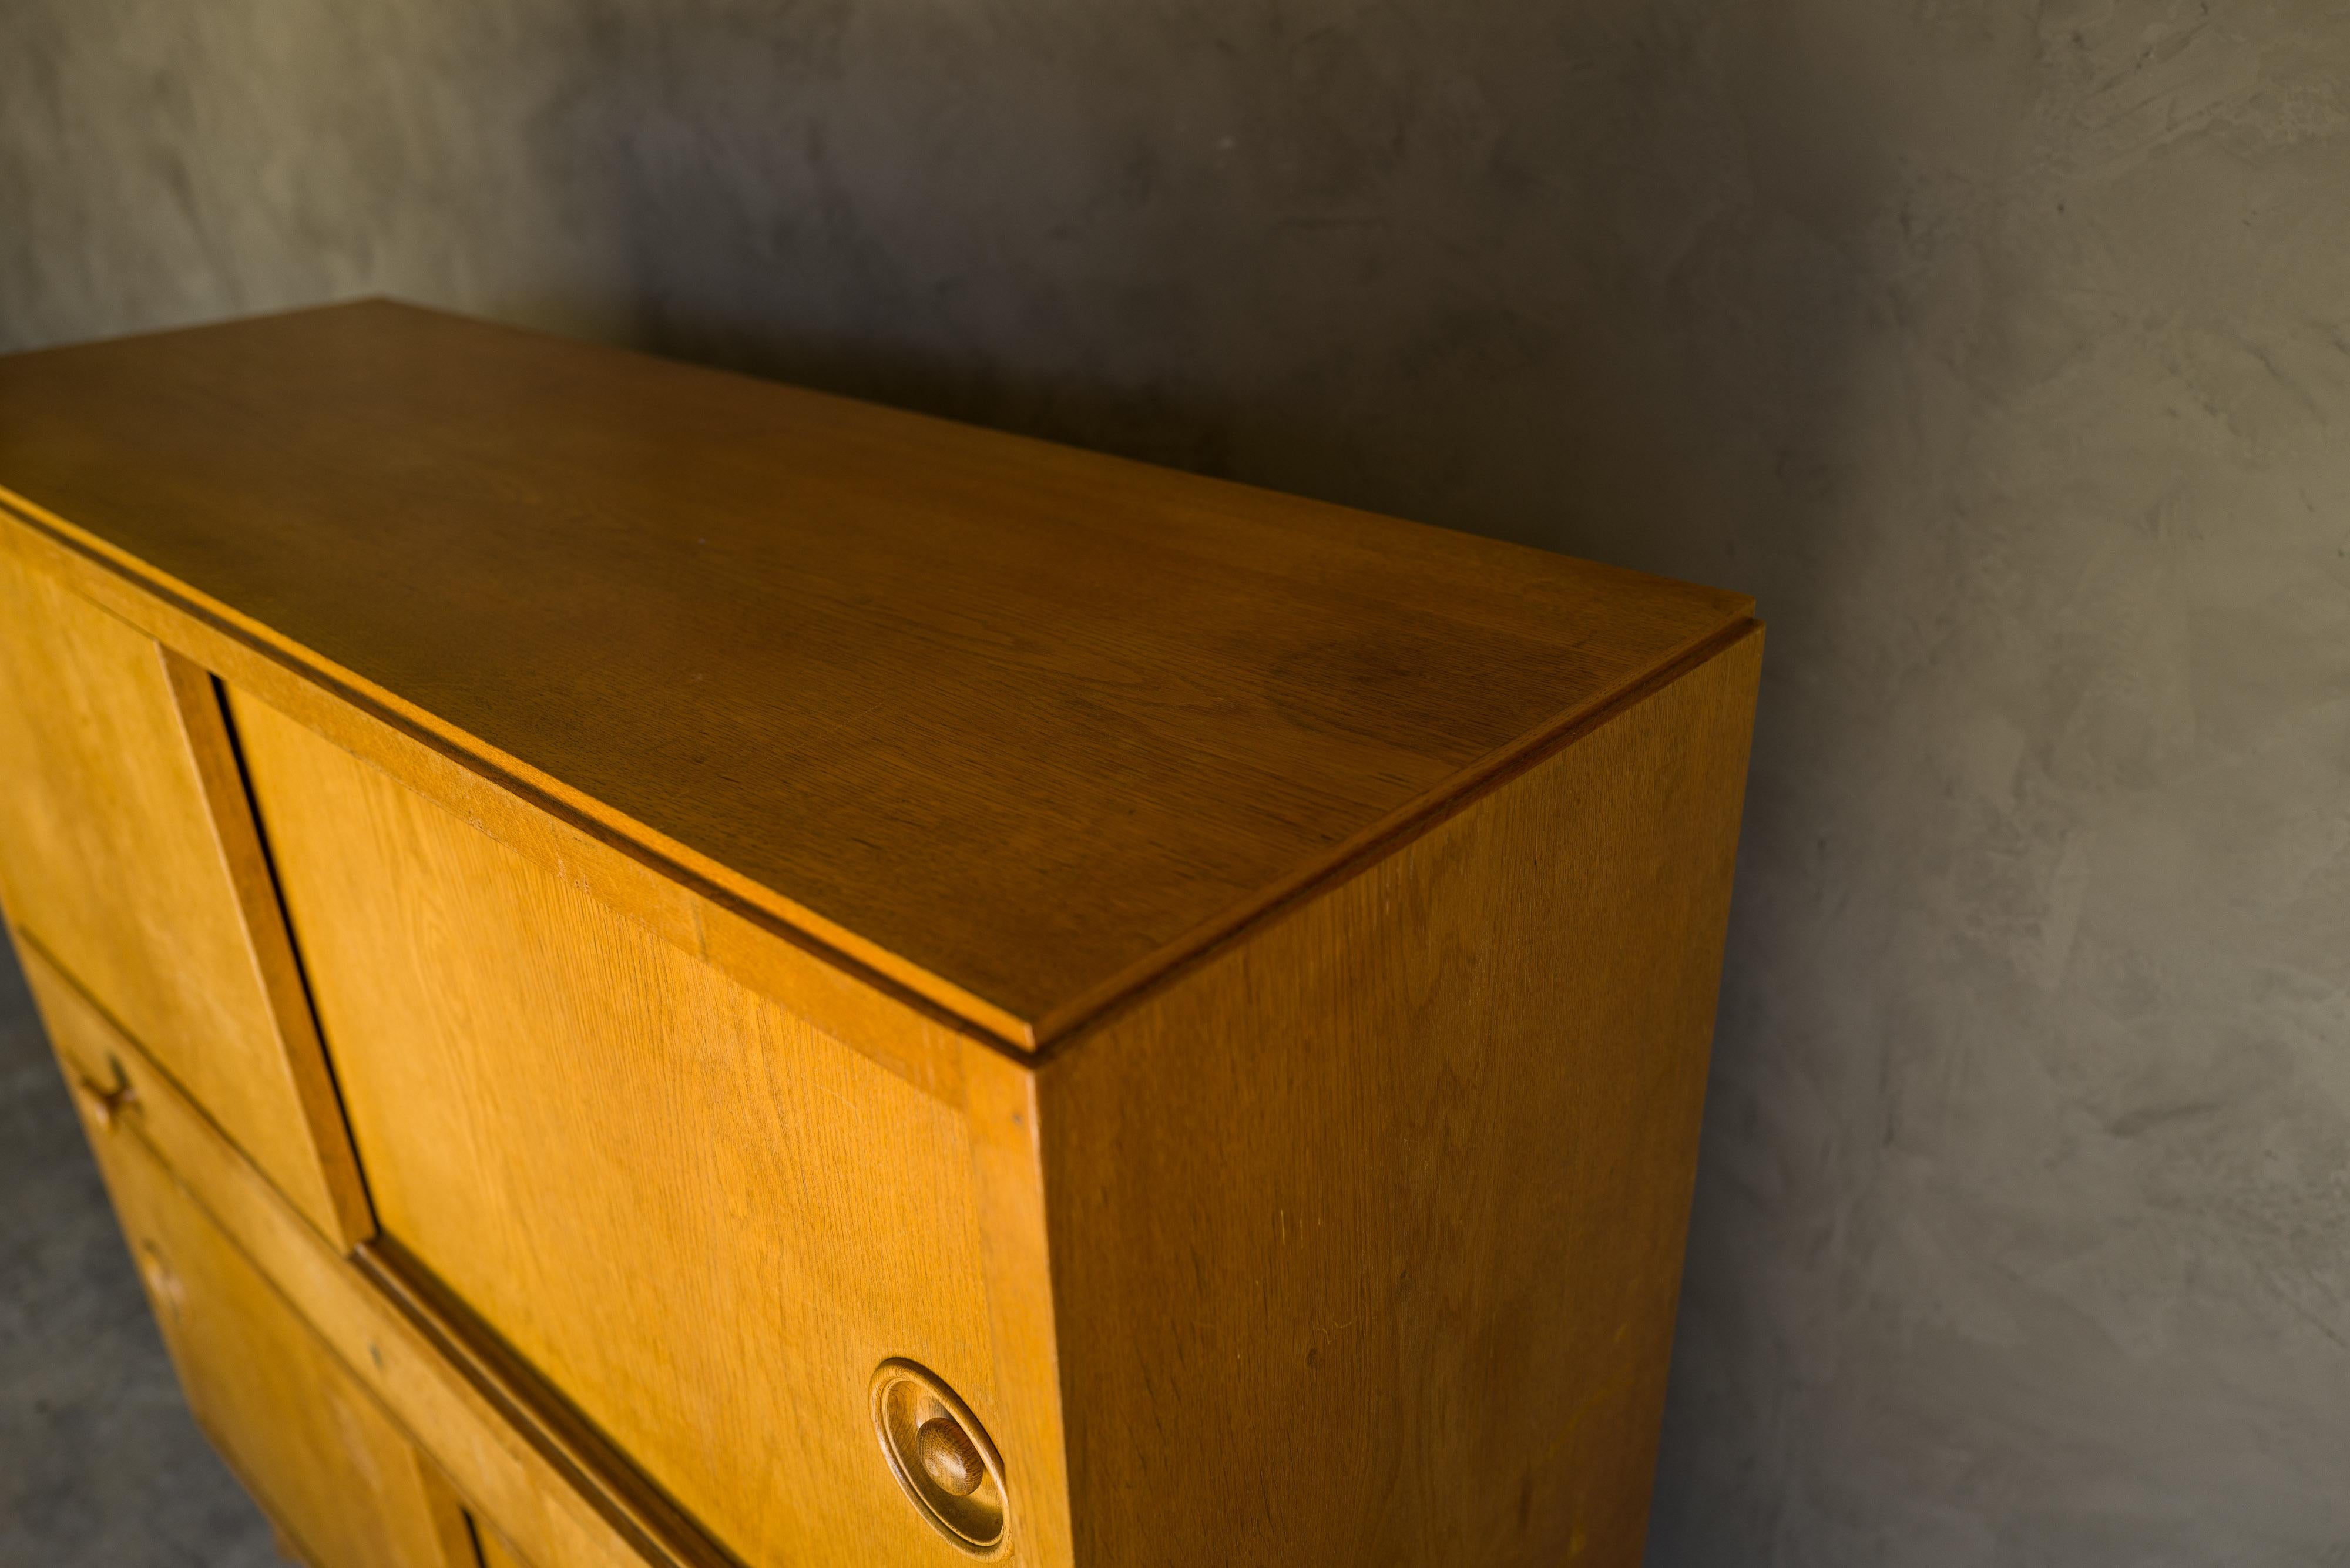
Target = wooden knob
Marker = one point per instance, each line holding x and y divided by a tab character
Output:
107	1105
161	1278
949	1457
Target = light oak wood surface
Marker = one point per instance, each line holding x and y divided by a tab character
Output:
127	840
495	1553
506	1461
1367	1234
702	1221
686	933
1018	725
338	1478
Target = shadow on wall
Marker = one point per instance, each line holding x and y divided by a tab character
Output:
1591	277
1546	282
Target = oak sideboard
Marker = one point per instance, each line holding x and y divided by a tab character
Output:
670	970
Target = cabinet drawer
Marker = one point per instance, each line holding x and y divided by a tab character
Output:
703	1222
129	855
521	1481
338	1478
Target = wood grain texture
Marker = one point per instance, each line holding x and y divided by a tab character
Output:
1367	1233
1223	981
506	1467
1008	1186
328	1466
196	700
1017	725
495	1553
860	1007
702	1221
127	847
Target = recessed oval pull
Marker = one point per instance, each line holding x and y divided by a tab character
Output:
941	1454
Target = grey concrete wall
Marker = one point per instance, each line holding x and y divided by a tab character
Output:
2001	347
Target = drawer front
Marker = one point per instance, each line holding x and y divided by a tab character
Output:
533	1485
704	1223
341	1483
129	855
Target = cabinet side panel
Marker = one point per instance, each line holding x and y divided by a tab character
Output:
1368	1234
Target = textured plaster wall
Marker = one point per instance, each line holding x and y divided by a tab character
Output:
2003	349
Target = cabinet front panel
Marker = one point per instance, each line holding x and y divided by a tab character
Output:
703	1222
343	1485
135	868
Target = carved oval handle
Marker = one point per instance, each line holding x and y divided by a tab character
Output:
942	1457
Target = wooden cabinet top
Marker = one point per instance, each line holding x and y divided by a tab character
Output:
1018	726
